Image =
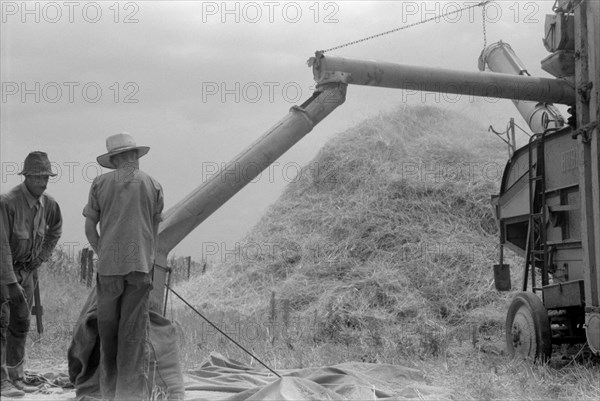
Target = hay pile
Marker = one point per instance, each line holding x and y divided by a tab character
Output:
391	223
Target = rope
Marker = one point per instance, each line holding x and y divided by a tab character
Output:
221	331
482	4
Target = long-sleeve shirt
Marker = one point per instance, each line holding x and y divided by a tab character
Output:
31	235
7	275
127	203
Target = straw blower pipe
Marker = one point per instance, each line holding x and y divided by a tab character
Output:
430	79
209	196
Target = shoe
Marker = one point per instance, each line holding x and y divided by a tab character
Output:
20	384
9	390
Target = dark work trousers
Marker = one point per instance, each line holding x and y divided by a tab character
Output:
15	319
123	323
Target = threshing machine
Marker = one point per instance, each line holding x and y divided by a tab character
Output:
549	203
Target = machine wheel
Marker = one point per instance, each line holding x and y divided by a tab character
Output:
528	328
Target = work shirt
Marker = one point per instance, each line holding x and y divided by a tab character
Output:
127	203
33	226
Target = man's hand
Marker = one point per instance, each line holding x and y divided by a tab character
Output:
34	264
16	293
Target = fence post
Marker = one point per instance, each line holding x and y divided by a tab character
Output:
273	317
285	334
189	266
83	264
90	271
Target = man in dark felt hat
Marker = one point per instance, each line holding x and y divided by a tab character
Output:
31	226
127	204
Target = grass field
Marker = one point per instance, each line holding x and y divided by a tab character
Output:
381	251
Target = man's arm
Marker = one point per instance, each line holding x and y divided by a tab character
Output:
6	264
9	287
91	212
92	233
160	204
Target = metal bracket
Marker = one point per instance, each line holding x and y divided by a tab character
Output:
563	6
325	77
585	132
333	77
584	91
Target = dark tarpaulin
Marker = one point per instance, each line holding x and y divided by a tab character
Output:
83	356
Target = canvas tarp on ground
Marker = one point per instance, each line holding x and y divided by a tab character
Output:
219	378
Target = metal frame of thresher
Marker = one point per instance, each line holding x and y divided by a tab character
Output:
587	72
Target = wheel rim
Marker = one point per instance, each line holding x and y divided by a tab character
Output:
523	333
528	328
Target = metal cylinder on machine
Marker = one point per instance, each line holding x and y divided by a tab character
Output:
500	57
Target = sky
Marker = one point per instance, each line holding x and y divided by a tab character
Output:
198	82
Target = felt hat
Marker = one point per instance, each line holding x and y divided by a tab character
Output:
37	163
119	143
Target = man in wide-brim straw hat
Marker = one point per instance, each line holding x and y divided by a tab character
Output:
31	226
127	204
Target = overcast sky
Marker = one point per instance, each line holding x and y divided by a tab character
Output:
200	81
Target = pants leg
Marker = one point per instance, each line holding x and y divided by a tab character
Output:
132	358
18	327
109	290
4	318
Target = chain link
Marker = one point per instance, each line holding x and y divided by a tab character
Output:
483	18
482	4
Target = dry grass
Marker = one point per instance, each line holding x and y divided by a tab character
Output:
478	376
62	295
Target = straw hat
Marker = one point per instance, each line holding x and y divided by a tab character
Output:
37	163
119	143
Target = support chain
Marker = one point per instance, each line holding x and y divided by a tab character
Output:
482	4
483	18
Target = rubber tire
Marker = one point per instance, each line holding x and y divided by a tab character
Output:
530	320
